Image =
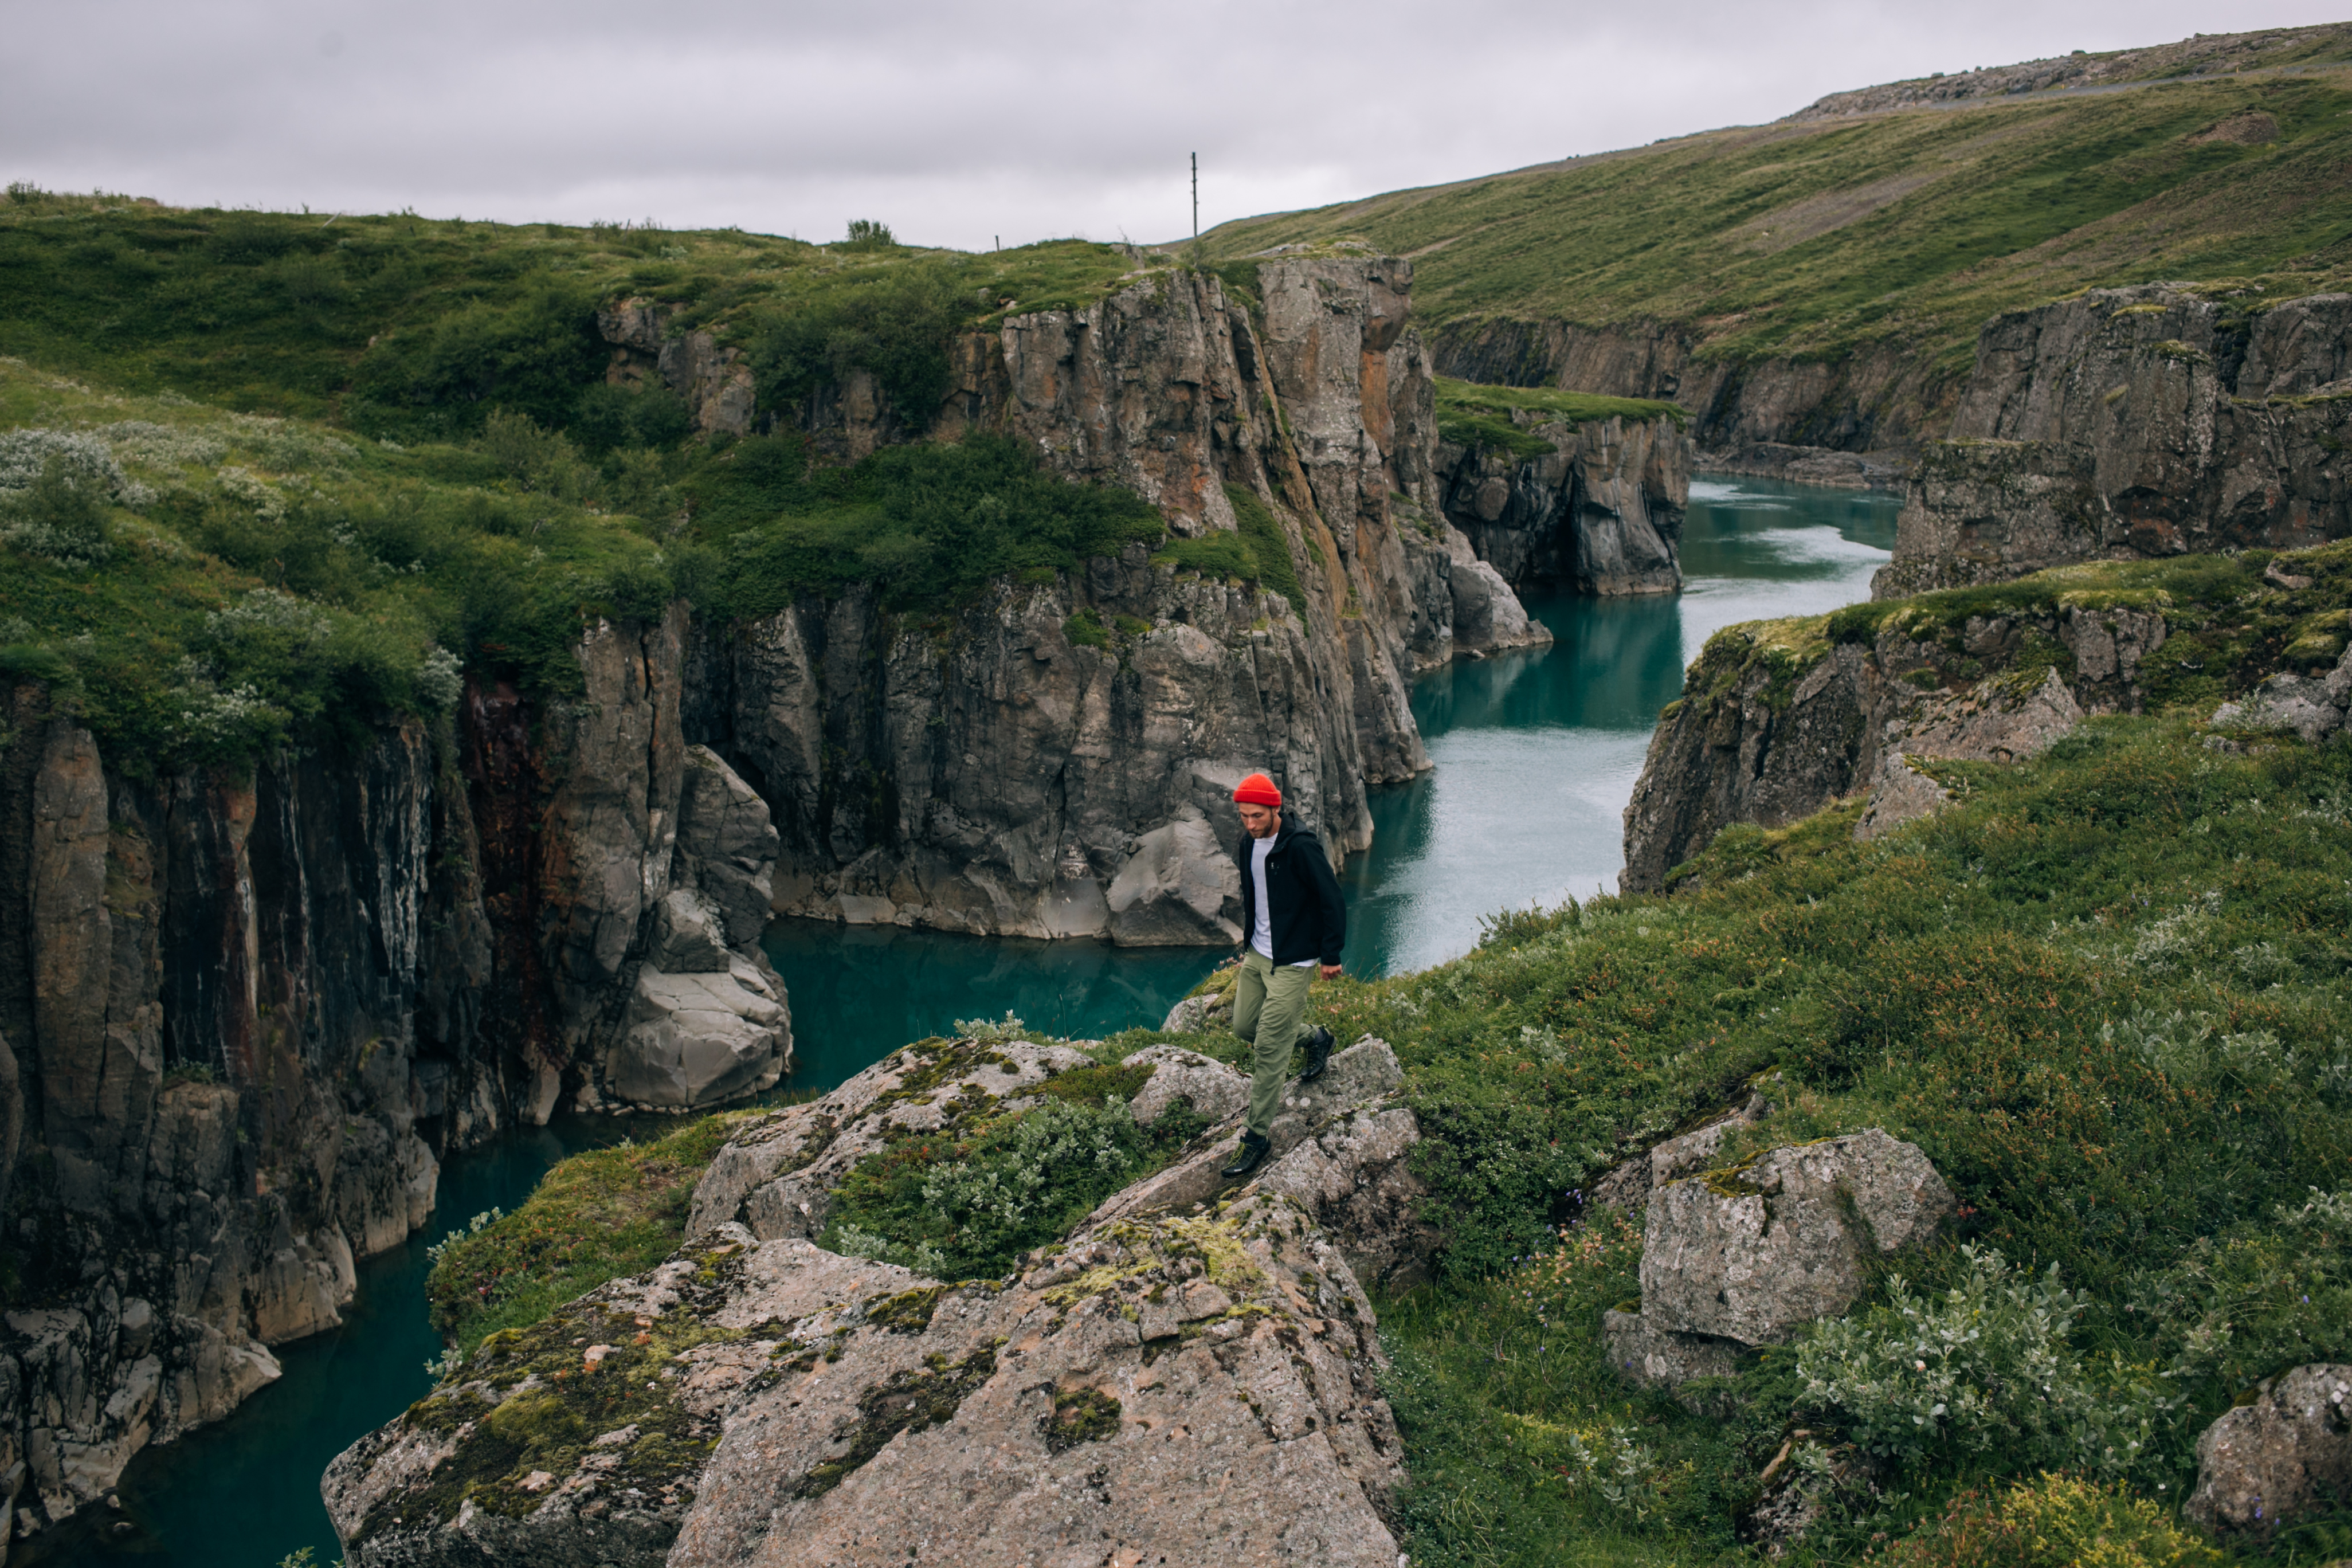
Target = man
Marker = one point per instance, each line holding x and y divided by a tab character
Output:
1293	921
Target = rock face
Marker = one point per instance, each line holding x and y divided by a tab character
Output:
1872	399
1777	721
776	1177
1746	1256
2313	706
2285	1458
248	1013
997	775
1993	722
1170	1384
2135	422
1602	512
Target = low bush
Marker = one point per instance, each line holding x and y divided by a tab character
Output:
961	1208
2050	1521
1988	1363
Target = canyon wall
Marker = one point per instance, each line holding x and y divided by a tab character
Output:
1778	719
1876	399
2130	423
246	1008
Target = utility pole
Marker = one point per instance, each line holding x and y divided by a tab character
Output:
1196	198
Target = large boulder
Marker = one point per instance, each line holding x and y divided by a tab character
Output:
2287	1456
1756	1252
1746	1256
1175	888
1211	1089
700	1039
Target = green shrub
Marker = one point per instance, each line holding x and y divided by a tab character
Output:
530	353
865	234
959	1208
61	517
1989	1364
894	323
1256	551
2052	1521
595	1217
930	524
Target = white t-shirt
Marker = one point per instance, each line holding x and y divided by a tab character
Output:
1262	938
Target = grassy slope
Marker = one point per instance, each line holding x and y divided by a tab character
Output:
1948	217
276	312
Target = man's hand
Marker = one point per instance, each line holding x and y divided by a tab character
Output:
1330	971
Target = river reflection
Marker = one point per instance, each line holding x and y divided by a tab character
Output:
1536	755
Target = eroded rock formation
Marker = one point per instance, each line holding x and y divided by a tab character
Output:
997	774
1602	512
2139	422
1776	718
2283	1459
1746	1256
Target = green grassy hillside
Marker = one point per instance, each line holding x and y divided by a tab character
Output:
1816	238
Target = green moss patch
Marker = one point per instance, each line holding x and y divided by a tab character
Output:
910	1401
598	1216
1081	1415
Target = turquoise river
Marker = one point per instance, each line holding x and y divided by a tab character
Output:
1536	754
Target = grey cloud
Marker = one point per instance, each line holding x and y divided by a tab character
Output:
955	123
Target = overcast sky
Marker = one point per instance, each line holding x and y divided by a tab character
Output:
1025	119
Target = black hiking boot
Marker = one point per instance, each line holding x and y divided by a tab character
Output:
1247	1159
1318	1055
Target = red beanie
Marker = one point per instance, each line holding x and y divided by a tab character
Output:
1257	790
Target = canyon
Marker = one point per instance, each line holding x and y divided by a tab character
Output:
258	1004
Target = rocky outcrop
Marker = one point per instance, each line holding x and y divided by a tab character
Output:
1998	722
1602	512
2206	54
2278	1461
776	1177
248	1012
1823	466
1171	1383
1746	1256
2312	705
1778	719
712	378
2127	423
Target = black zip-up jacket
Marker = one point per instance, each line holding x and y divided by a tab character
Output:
1310	920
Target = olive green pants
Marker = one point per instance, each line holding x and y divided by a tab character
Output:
1268	1003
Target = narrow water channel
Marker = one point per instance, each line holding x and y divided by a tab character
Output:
1536	754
